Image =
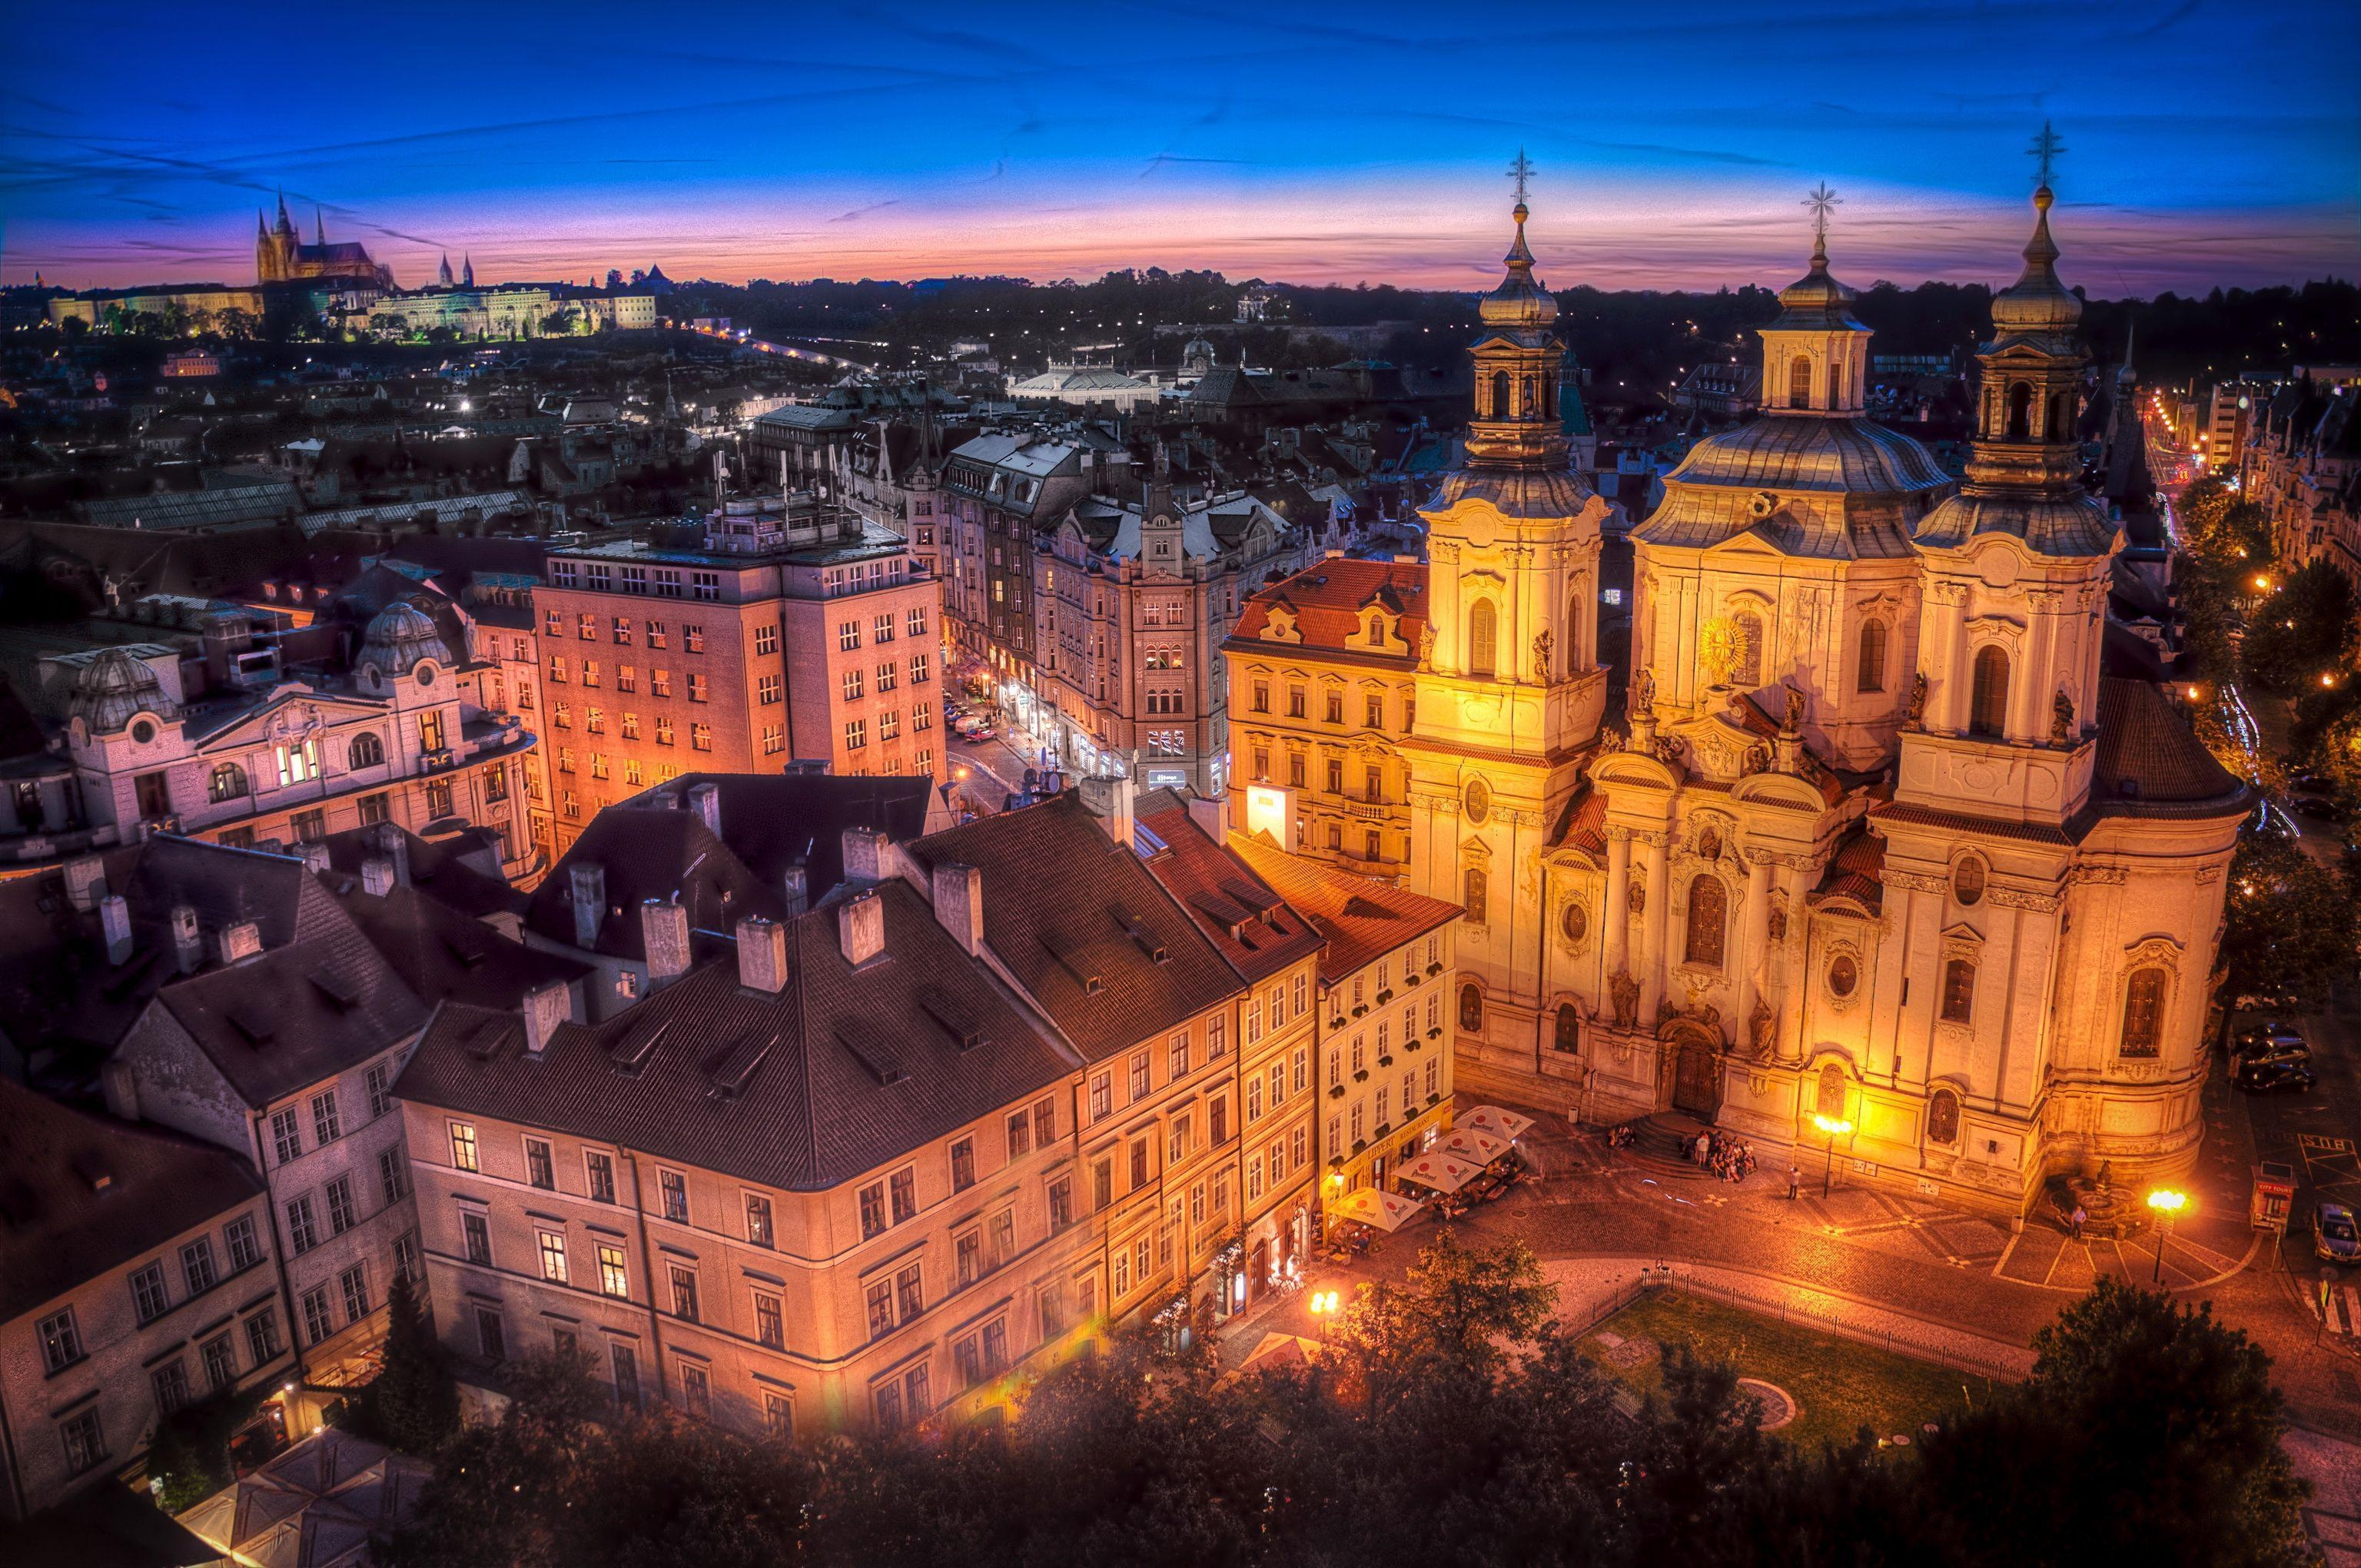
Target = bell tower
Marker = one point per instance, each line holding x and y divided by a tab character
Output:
1509	687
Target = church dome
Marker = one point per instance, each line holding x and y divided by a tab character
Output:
118	685
398	637
2038	304
1520	304
1720	489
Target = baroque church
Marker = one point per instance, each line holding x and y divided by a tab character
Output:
1883	842
280	256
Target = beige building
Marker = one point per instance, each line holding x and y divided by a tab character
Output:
1991	972
137	1274
1324	682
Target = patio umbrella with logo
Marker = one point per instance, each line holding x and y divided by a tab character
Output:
1473	1143
1443	1172
1380	1210
1499	1122
1282	1350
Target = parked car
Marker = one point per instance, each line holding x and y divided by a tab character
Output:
2333	1236
979	736
2268	1053
2276	1078
2263	1029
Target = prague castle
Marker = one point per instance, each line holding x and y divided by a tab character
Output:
1884	841
280	256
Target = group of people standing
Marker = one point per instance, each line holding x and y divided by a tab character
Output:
1732	1159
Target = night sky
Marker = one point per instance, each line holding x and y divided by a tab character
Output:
2210	141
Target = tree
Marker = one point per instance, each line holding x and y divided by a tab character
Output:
2288	922
2148	1431
412	1404
189	1458
2303	630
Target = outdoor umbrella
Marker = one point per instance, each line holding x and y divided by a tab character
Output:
1473	1143
1499	1122
1282	1350
1443	1172
1381	1211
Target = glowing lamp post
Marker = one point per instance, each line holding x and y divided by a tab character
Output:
1834	1127
1323	1307
2167	1204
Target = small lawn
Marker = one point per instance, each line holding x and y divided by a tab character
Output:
1839	1385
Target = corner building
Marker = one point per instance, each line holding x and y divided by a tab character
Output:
1884	840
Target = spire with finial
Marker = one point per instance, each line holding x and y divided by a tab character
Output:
2037	302
286	223
319	226
468	273
1822	200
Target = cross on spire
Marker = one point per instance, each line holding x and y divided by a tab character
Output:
1822	200
1521	171
2046	146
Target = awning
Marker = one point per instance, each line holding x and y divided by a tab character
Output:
1499	1122
1282	1350
1379	1210
1473	1143
1443	1172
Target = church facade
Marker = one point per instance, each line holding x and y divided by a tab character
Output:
1883	858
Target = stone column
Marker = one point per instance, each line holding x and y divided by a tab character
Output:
1754	943
1653	956
1795	972
1615	913
1958	681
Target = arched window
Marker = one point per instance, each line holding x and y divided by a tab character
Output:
1746	671
1574	631
1872	674
1476	890
1988	697
2020	411
2054	428
1799	382
228	782
2144	1013
1483	637
367	750
1549	397
1959	991
1471	1008
1499	394
1943	1118
1836	384
1567	1035
1709	914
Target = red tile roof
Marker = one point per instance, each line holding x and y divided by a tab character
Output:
1854	870
1246	920
1328	598
1362	919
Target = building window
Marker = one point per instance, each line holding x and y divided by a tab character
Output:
326	1126
1474	894
244	1252
1708	917
84	1440
962	1164
683	1292
758	1221
553	1255
601	1171
375	1084
354	1282
539	1170
674	1188
873	1211
1471	1008
1958	991
1799	382
700	738
2144	1013
856	734
262	1335
60	1340
1746	632
1871	677
219	1354
463	1146
476	1233
1483	635
614	1276
1988	697
303	1232
624	1363
343	1215
286	1134
491	1334
317	1325
226	782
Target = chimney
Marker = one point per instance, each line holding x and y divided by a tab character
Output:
864	854
242	940
589	891
546	1006
187	939
860	928
115	919
395	845
314	854
705	799
761	954
1110	800
959	904
85	881
377	876
796	891
663	931
121	1089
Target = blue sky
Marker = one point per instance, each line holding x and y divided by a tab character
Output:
2209	140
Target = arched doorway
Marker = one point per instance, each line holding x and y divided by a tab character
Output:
1691	1054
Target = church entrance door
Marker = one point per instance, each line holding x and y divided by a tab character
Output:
1697	1080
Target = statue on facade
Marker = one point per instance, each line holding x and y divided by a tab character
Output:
1624	992
2061	719
1671	752
1793	724
1542	641
1610	740
1756	760
1760	1028
1915	714
1426	646
1642	694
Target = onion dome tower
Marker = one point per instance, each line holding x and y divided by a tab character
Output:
398	637
1520	362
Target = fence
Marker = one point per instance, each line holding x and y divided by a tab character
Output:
1962	1350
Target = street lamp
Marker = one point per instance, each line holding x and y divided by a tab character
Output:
1323	1307
2167	1204
1835	1127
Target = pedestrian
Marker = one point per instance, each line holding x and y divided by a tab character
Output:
2076	1222
1704	1147
1794	1182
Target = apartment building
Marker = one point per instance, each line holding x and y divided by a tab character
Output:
779	629
1132	600
1276	953
137	1274
2302	467
1322	669
823	1174
1003	488
1384	1081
